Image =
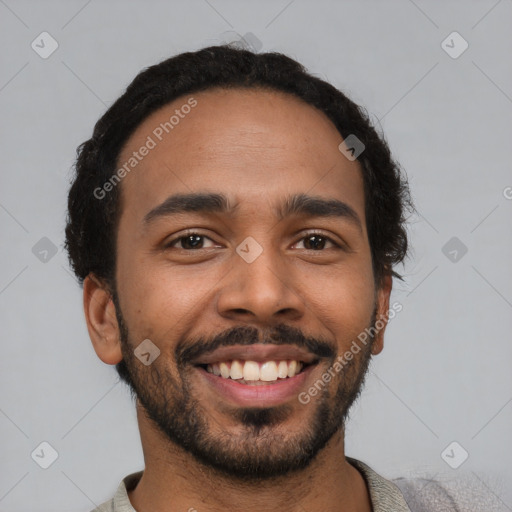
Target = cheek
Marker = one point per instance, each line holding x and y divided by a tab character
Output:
158	300
344	302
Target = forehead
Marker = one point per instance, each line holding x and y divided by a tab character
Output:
249	144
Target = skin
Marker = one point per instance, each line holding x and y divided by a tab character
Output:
256	147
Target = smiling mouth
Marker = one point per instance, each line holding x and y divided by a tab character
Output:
257	373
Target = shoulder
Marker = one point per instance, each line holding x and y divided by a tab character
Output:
108	506
424	495
466	493
120	502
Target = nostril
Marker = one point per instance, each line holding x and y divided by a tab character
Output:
240	311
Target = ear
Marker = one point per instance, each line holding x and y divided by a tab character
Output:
383	294
100	315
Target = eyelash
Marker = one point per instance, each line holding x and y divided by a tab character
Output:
308	234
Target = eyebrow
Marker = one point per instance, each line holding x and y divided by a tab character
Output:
298	204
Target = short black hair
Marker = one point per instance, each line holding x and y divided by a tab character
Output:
91	230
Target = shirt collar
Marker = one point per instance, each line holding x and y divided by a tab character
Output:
384	495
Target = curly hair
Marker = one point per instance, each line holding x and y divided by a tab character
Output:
92	223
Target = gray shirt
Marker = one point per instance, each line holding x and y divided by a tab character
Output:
399	495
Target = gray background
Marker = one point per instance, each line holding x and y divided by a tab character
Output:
445	374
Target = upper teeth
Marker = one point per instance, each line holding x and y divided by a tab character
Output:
251	370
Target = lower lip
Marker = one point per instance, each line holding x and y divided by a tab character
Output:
262	395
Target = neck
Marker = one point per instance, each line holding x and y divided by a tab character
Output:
173	480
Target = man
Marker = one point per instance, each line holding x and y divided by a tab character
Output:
235	222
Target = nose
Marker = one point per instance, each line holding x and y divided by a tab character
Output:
261	292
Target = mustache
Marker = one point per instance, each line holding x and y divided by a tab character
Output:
189	350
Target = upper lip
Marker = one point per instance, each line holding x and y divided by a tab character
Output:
257	352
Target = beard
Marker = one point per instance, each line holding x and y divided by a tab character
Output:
260	448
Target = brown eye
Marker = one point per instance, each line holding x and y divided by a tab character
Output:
189	242
316	242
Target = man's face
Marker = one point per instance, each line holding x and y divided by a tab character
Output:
243	288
